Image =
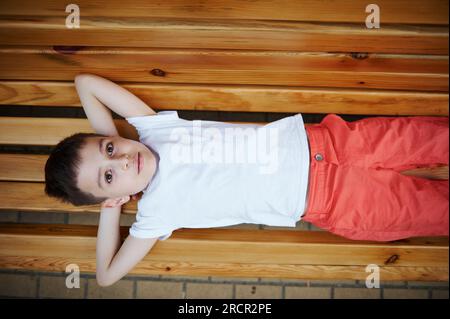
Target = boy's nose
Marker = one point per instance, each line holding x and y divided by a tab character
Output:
124	161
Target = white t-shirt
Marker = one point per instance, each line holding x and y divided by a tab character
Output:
215	174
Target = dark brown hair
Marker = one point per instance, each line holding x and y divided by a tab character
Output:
61	171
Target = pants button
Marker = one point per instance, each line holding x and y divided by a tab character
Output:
318	157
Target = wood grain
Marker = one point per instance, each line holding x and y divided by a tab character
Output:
30	197
225	34
49	131
399	11
269	68
242	98
307	255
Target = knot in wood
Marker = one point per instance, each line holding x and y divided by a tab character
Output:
359	55
65	49
392	259
158	72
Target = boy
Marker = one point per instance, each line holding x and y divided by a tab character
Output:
189	180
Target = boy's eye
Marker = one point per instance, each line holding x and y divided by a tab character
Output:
108	177
109	148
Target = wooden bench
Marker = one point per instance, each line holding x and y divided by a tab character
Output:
266	56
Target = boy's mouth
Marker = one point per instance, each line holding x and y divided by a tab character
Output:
138	163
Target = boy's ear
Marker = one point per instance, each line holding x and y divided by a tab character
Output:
136	196
114	202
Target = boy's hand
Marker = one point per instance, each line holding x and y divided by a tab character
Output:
119	201
115	202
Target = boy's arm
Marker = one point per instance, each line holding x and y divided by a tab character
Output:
113	261
98	96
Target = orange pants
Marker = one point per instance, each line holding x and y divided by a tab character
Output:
355	186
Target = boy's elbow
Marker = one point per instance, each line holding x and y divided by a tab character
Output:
81	77
104	284
104	281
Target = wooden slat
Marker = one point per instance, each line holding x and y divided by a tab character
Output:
307	255
240	98
399	11
305	272
30	197
49	131
438	172
225	34
376	71
22	167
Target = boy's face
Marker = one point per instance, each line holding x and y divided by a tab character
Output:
109	167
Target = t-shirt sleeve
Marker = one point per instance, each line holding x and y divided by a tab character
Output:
147	122
150	226
137	231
